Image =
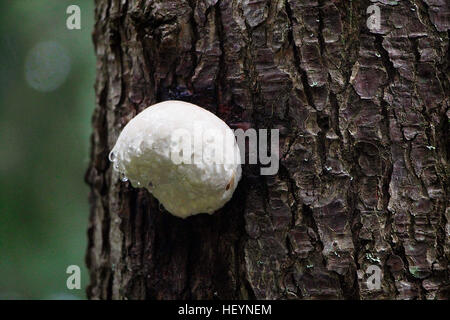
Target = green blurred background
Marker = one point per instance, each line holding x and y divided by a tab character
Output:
47	74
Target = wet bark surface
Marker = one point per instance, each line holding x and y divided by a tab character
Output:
364	149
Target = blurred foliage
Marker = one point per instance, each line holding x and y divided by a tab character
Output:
44	144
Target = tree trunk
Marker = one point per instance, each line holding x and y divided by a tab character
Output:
364	149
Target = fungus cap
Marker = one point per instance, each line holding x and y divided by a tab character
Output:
184	155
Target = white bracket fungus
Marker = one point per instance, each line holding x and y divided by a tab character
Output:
184	155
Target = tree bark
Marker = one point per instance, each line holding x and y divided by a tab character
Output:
364	149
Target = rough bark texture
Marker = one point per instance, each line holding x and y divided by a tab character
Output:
364	149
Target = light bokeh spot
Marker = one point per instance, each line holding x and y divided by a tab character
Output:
47	66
